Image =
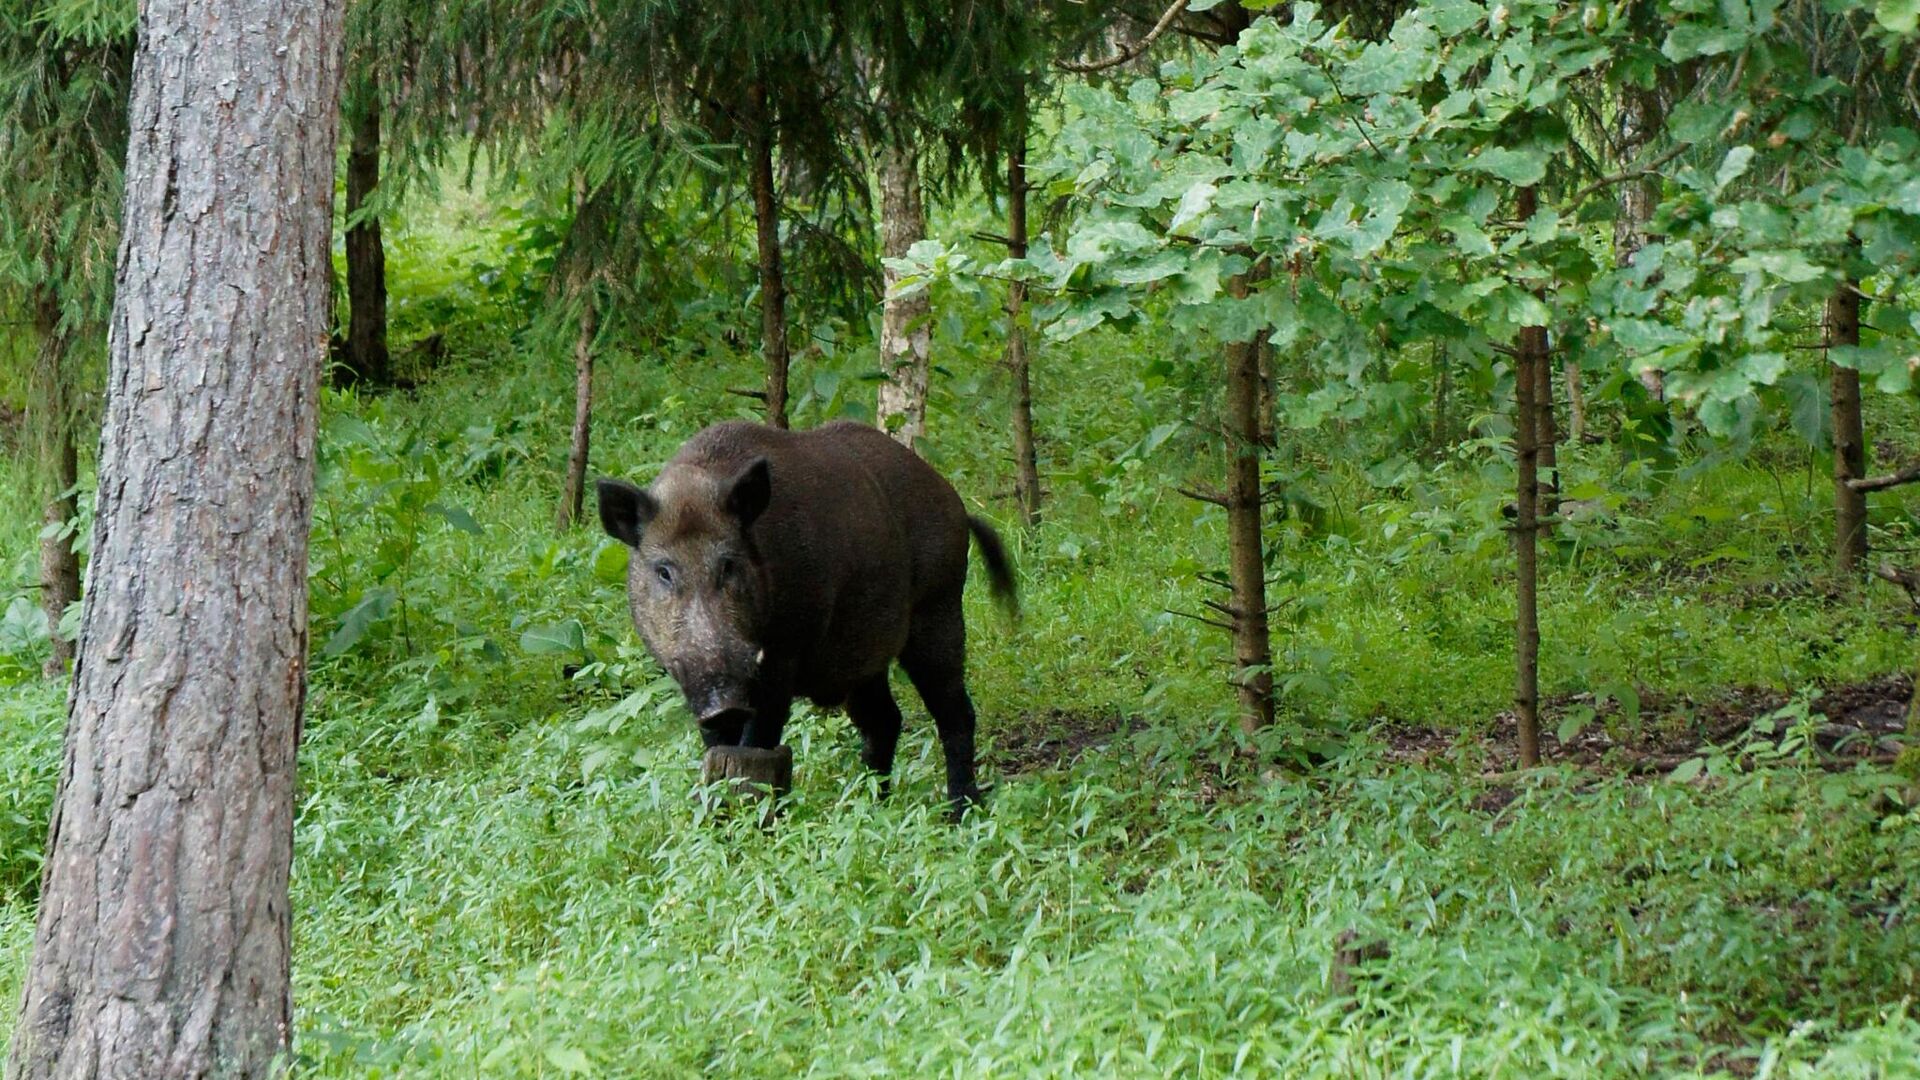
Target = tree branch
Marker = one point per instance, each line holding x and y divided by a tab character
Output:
1214	497
1127	55
1908	475
1202	619
1628	174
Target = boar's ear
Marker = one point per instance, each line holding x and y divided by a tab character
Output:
747	495
624	510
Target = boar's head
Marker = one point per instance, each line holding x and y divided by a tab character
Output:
697	587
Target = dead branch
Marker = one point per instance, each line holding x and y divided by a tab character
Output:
1208	496
1908	475
1127	55
1202	619
1630	173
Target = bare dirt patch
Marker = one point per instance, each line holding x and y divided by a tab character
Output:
1864	721
1055	738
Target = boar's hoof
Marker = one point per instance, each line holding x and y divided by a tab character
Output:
971	799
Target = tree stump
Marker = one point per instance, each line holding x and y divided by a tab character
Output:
751	775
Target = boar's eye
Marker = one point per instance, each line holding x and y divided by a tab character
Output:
663	572
727	570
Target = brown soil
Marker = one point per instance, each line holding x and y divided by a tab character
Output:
1052	739
1864	721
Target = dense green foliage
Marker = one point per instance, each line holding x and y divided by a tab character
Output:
500	868
500	871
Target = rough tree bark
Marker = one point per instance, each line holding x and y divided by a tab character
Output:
1246	562
1026	462
1531	358
59	473
162	943
906	339
1267	408
1639	118
367	357
573	492
1546	431
1849	440
1576	403
773	282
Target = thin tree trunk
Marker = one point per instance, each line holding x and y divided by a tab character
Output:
1913	707
1253	651
1026	482
59	473
773	282
1849	440
573	493
1639	118
1442	393
1526	438
1266	408
367	357
162	941
906	338
1546	433
1576	402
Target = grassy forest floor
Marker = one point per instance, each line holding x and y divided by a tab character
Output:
499	870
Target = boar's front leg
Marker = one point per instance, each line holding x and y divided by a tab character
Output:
877	717
771	707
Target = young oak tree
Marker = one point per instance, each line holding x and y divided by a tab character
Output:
163	935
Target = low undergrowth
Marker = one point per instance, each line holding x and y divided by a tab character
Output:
499	870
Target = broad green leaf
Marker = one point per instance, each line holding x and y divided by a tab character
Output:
1732	167
1574	723
375	604
1787	265
1197	200
1809	408
1703	39
610	562
569	1060
456	517
560	637
1522	168
1687	770
1899	16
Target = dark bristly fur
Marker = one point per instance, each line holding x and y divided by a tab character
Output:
772	564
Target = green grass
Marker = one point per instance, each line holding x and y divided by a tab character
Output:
500	871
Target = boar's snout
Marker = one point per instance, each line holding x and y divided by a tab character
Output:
725	725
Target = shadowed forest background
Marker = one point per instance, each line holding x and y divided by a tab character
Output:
1459	460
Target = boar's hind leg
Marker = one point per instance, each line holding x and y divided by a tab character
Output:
872	709
935	659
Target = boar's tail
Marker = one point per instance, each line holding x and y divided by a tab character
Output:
999	567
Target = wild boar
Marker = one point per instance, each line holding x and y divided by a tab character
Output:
768	564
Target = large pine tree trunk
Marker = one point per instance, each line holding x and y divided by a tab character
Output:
773	282
573	492
1532	357
1026	462
1246	563
1849	438
367	357
162	942
59	474
906	338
